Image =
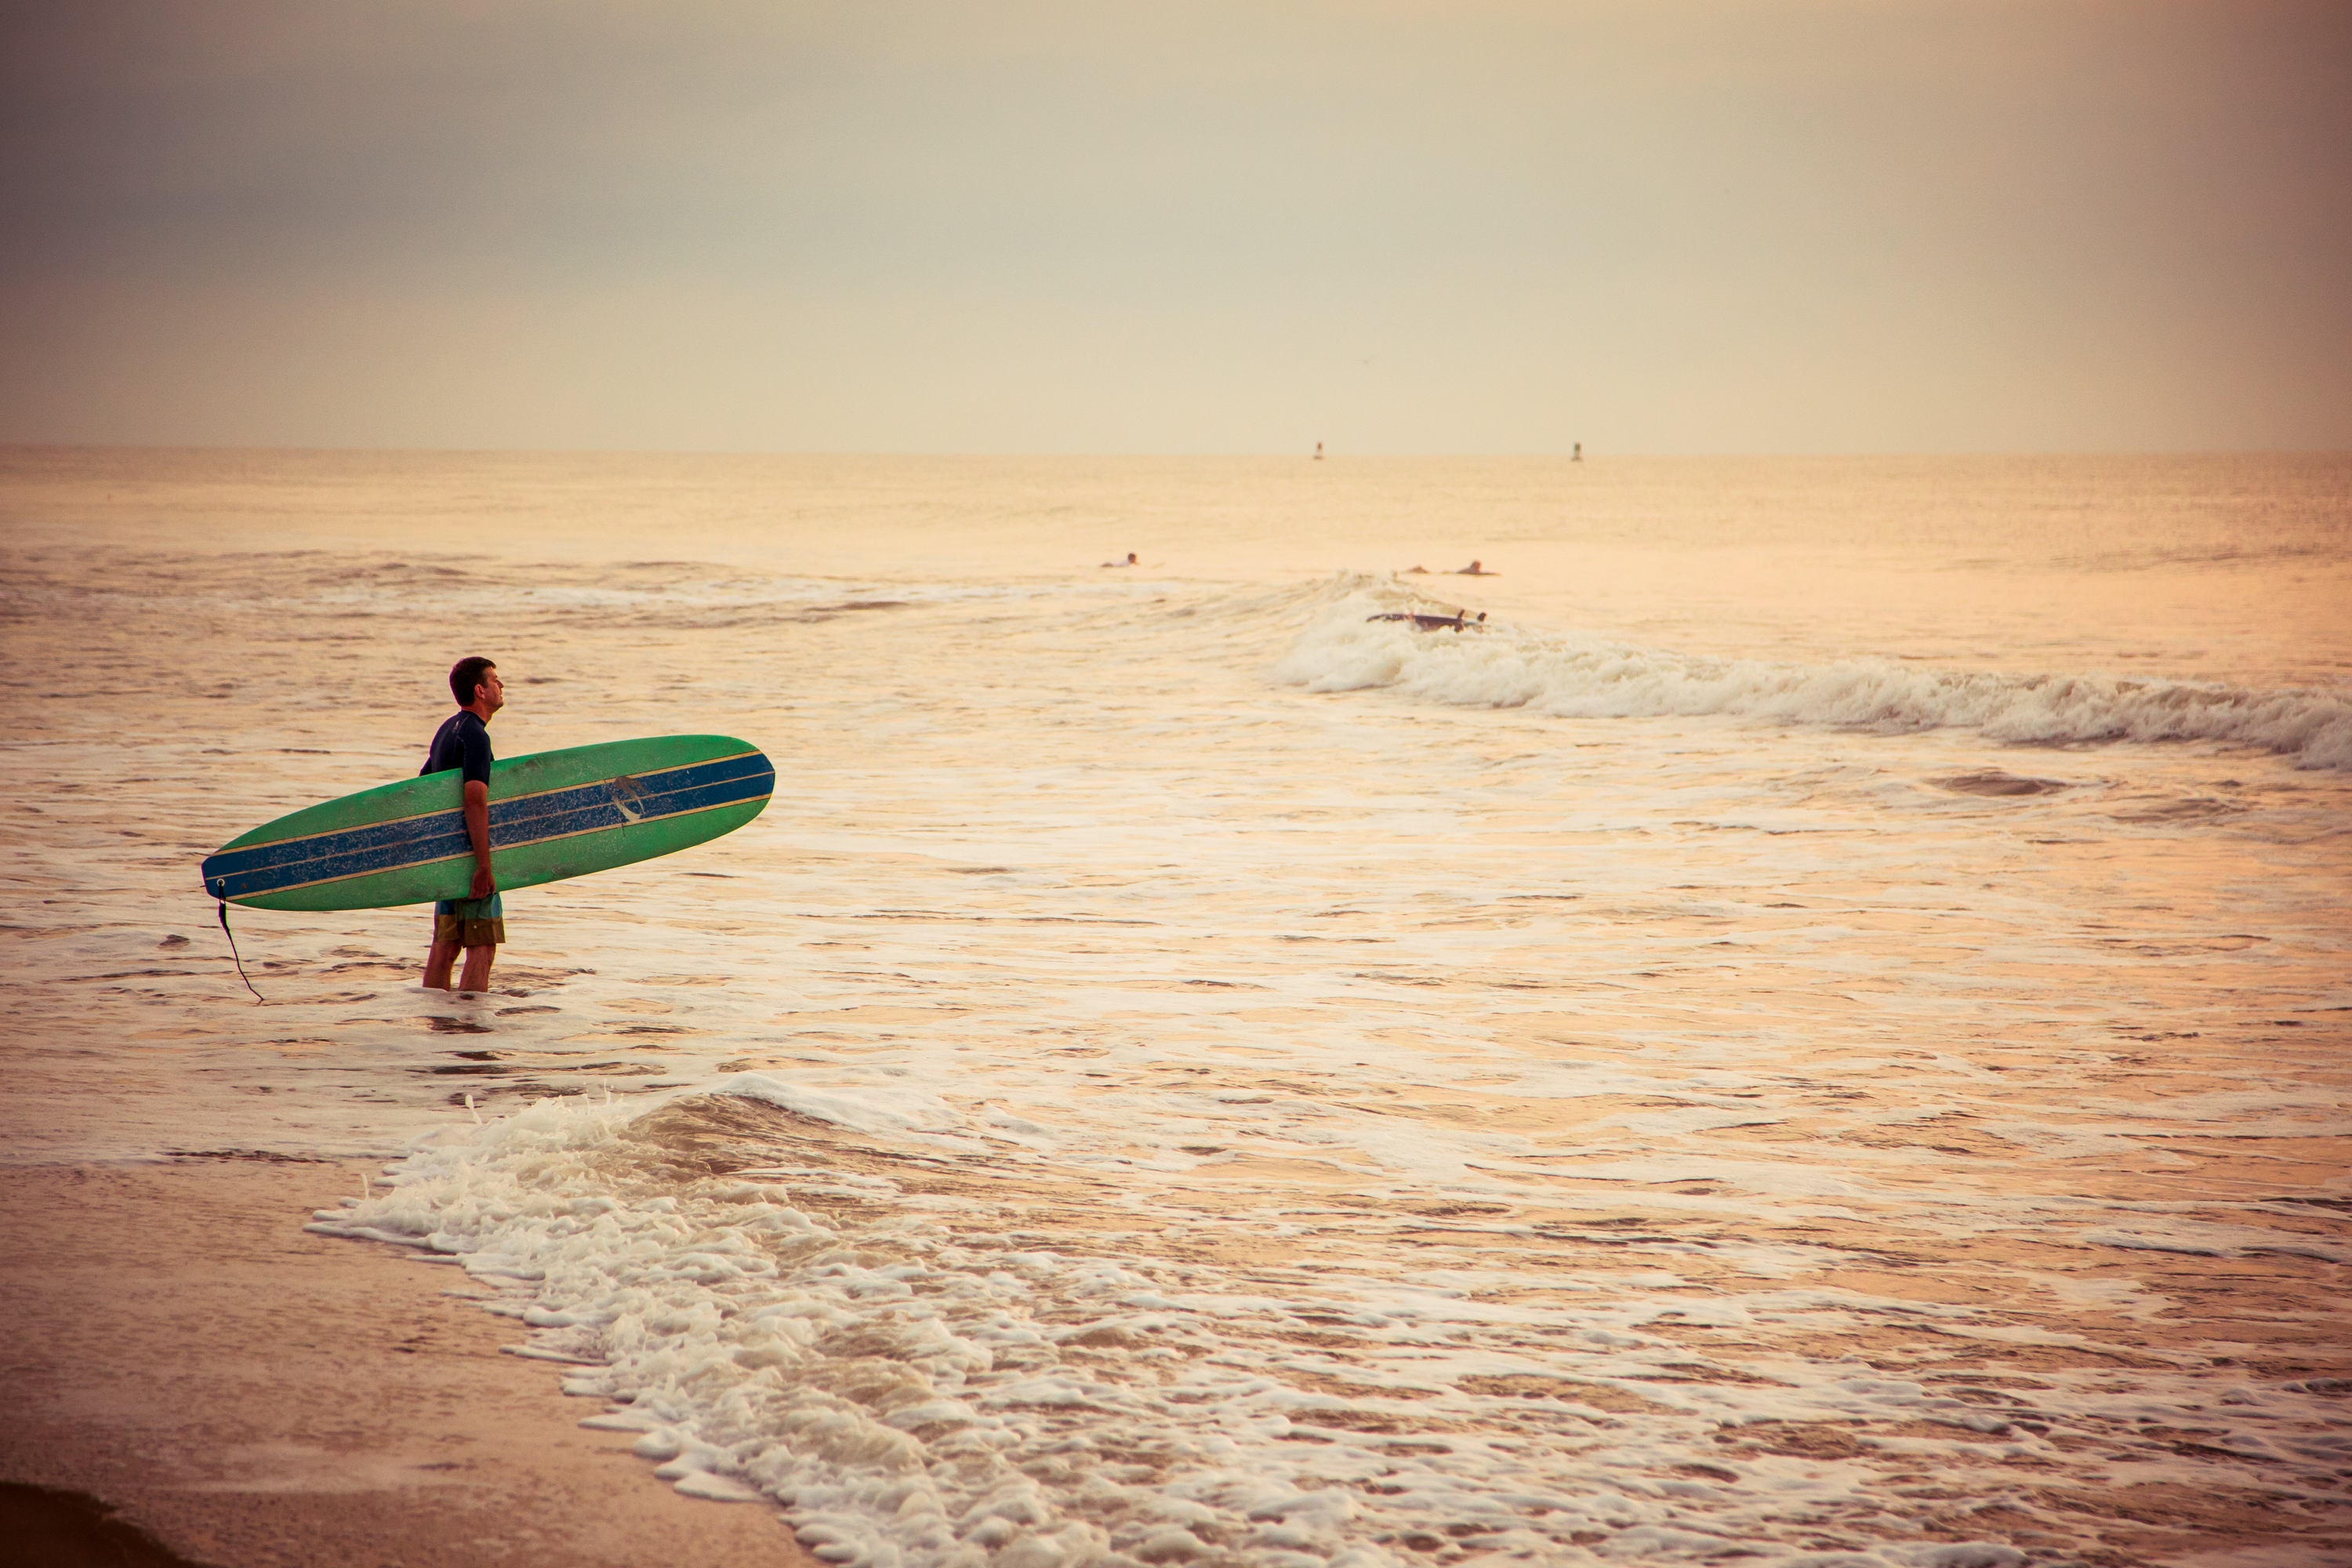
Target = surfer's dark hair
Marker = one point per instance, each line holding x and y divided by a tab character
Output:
466	675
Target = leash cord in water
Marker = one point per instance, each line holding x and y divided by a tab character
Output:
223	912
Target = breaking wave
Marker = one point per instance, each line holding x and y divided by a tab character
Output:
831	1298
1572	676
944	1336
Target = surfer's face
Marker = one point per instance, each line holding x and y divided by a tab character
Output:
490	691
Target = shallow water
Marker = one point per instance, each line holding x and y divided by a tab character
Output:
1817	1030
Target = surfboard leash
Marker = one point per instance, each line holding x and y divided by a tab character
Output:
222	911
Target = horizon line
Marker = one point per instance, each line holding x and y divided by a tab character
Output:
1308	454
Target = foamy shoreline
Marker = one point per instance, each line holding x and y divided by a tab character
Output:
252	1395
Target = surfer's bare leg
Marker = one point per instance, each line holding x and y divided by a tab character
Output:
477	976
438	963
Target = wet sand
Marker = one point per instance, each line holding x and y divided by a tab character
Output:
251	1394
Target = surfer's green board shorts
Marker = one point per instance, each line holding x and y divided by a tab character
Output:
470	923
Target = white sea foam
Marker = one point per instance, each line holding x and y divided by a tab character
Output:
1573	675
831	1303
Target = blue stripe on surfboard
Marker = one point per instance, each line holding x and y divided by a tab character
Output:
653	780
340	857
506	816
374	848
394	840
512	822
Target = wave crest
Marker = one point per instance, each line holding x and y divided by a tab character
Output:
1575	676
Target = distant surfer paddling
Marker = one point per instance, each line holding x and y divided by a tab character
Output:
478	924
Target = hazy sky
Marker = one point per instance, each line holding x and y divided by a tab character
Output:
1674	225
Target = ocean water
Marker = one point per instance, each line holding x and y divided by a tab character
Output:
1815	1033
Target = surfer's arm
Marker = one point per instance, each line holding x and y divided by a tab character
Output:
477	829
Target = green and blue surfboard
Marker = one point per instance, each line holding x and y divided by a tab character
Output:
553	814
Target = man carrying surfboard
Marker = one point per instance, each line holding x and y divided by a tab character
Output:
477	924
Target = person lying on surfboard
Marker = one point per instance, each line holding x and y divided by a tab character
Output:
478	923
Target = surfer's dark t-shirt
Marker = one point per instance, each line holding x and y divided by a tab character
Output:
462	742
